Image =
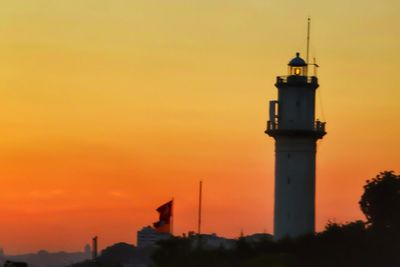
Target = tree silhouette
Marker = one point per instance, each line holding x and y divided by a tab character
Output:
381	202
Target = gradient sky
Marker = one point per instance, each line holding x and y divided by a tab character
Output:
110	108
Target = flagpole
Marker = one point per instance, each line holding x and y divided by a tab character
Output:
199	215
308	40
172	217
200	202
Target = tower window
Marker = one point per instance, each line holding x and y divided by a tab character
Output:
288	180
289	156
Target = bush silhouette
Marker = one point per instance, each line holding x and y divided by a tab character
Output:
381	202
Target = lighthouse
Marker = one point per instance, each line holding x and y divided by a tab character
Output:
293	125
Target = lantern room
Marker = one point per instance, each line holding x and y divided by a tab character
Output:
297	66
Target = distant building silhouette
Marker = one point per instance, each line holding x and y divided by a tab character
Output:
2	256
257	237
49	259
87	250
94	248
211	241
148	236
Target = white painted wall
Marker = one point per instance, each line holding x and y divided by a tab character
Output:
295	153
296	107
294	187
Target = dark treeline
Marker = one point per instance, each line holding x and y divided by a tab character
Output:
371	243
375	242
118	255
351	244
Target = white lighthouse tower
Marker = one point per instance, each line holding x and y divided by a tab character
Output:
293	126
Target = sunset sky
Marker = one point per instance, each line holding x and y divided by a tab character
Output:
110	108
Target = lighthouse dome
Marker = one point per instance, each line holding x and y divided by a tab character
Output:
297	61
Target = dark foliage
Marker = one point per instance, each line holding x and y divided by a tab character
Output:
117	253
351	244
375	243
381	202
15	264
372	244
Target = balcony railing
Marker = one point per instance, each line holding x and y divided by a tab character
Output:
292	78
318	126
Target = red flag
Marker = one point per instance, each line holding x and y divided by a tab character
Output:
164	223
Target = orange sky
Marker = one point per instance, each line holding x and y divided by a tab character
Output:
110	108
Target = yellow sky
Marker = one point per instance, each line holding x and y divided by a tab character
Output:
109	108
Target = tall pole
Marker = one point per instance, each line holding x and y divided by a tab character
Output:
171	230
308	39
94	248
199	215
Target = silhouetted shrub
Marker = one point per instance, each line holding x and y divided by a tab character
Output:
381	202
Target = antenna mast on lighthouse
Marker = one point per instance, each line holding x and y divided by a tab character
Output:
308	40
314	63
